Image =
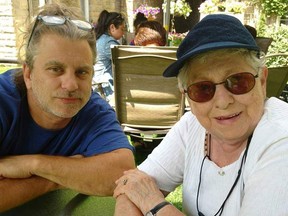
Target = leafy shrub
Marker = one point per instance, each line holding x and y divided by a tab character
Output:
178	8
278	45
174	38
278	7
214	6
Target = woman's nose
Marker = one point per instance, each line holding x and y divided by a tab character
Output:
222	97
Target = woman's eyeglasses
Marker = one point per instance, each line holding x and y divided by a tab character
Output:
240	83
59	20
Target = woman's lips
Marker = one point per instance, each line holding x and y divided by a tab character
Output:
228	117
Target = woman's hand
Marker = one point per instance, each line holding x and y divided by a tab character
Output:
140	188
125	207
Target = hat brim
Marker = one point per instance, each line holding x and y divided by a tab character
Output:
173	69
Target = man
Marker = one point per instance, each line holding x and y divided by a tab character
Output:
54	132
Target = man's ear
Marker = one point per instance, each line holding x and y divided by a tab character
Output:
27	75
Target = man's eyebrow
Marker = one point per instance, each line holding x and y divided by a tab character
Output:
86	67
54	63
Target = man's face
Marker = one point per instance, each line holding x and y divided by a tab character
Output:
60	83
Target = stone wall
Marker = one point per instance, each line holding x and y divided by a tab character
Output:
14	14
7	36
95	8
21	19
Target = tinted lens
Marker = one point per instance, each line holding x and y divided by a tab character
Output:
53	20
82	24
58	20
201	91
240	83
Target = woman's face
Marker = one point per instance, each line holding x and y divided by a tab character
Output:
117	33
226	115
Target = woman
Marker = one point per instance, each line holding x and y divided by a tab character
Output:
231	151
150	33
109	28
140	17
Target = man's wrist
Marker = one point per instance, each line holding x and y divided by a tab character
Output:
35	161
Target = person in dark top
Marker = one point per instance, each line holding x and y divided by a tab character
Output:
150	33
140	17
55	133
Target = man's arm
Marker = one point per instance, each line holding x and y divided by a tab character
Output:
18	191
94	175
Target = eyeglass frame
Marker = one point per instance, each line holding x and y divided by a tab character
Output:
223	82
40	18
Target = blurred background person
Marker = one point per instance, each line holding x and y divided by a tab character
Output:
109	29
150	33
140	17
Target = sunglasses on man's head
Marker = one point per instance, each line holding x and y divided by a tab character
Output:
240	83
59	20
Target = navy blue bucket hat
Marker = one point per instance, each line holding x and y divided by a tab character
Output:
216	31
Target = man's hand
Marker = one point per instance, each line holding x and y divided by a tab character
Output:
16	166
19	166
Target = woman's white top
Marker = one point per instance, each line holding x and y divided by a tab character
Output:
263	186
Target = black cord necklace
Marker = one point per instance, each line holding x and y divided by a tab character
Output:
208	139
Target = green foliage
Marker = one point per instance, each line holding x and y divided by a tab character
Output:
214	6
236	7
208	7
262	24
175	197
174	38
278	7
178	8
4	68
279	44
